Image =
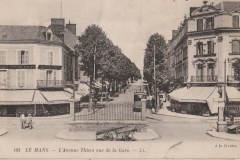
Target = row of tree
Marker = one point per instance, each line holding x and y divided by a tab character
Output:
156	45
95	48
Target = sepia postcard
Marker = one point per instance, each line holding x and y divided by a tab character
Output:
119	79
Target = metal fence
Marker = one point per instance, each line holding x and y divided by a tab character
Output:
232	113
109	112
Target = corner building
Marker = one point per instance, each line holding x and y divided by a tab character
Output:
200	57
36	68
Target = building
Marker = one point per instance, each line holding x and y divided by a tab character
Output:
37	66
200	57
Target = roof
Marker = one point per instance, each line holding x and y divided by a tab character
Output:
69	38
14	33
228	6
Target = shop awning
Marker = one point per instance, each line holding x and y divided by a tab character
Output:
38	98
56	96
9	97
233	94
83	89
213	101
178	93
197	94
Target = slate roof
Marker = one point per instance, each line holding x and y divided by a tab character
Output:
228	6
34	34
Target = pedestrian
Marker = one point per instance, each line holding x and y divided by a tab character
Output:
22	120
29	121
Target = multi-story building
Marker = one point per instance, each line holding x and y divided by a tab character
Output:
200	51
36	64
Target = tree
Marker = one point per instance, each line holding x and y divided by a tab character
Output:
236	67
148	71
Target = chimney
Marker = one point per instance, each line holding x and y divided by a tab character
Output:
57	26
71	28
174	33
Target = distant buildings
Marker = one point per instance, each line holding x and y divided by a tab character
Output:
36	68
196	57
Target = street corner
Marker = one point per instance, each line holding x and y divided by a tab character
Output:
80	136
224	135
148	135
3	132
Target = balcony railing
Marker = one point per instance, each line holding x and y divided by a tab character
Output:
205	55
232	79
181	80
50	83
204	78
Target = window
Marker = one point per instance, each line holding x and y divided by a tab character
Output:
209	23
235	21
199	25
184	52
210	47
2	57
236	46
50	58
199	48
2	78
23	57
21	78
48	37
51	75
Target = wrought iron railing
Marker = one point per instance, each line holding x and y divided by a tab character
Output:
109	112
232	113
204	78
50	83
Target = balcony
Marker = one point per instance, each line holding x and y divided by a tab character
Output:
232	79
205	55
50	84
204	78
181	80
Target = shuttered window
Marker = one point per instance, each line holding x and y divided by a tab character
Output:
21	78
199	47
199	25
2	57
235	21
23	57
235	46
210	47
8	79
50	58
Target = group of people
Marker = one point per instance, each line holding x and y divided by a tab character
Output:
26	121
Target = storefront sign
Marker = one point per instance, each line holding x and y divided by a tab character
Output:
49	67
17	67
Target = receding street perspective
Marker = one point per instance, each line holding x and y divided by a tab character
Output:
111	79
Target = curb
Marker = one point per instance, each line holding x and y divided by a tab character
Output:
91	136
200	118
224	135
3	131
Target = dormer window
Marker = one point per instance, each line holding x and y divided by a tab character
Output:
209	23
49	35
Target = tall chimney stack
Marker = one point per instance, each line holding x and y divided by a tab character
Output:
72	28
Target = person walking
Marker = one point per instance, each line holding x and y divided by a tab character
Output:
22	120
29	121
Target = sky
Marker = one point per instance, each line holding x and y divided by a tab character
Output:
128	23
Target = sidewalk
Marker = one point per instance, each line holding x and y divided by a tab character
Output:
91	136
224	135
164	111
